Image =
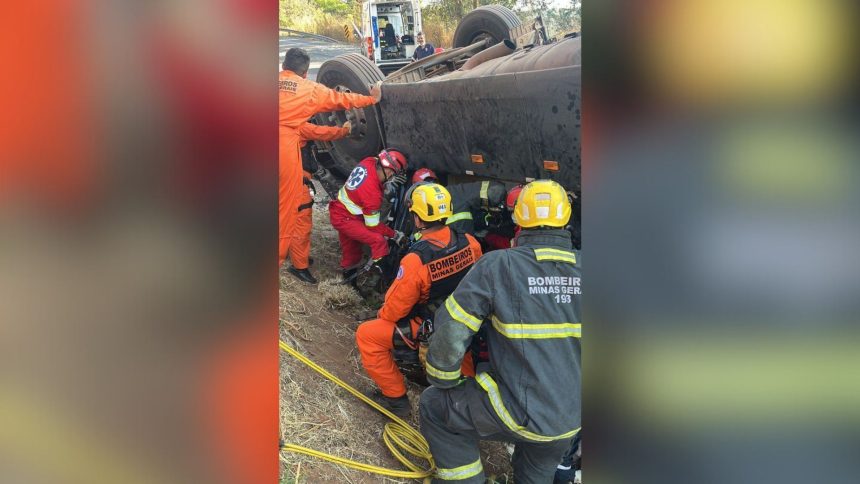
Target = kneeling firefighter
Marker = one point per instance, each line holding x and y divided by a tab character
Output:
477	206
527	299
427	275
355	214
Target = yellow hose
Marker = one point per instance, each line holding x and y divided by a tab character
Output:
398	435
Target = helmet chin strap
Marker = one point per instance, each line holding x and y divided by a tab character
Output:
388	158
385	176
425	227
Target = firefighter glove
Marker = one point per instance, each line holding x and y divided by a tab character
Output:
399	179
400	238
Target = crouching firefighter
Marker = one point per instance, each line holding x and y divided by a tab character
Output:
527	299
427	275
355	214
477	206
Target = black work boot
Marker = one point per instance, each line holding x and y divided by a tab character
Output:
347	274
398	406
303	275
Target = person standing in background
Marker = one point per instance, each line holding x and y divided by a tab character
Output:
423	50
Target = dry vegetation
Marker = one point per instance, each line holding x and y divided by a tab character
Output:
316	413
439	34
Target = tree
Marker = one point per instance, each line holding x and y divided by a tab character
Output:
333	6
297	14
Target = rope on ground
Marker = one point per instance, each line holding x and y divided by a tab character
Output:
400	438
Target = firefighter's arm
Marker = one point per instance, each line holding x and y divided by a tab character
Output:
315	132
406	290
370	210
456	322
327	99
379	228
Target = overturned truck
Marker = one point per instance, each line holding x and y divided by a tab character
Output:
503	104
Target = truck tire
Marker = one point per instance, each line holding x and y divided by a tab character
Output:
351	73
493	21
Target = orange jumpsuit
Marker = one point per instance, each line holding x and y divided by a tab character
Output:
298	100
57	168
300	248
375	338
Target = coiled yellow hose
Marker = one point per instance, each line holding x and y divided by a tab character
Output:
400	438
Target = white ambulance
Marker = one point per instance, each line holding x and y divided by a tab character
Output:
389	31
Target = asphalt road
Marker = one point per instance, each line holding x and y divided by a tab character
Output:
319	51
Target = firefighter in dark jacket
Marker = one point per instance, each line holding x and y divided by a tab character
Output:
427	275
475	205
527	299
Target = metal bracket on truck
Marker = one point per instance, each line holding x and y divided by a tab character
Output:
532	33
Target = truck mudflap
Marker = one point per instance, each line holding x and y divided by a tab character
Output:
514	126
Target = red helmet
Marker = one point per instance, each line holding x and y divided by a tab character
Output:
424	174
511	199
392	159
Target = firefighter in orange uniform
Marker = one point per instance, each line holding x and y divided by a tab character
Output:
300	248
429	273
299	99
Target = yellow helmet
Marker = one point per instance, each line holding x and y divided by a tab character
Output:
542	202
430	201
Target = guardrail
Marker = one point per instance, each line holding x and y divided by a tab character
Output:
298	33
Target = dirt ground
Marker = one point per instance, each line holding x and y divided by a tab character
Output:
320	321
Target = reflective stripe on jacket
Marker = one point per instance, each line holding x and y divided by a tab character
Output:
528	300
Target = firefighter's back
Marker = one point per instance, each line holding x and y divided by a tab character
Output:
534	335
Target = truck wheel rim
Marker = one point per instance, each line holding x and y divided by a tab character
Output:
357	117
484	35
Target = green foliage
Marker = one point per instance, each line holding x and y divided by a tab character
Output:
557	20
325	17
561	21
333	6
298	14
